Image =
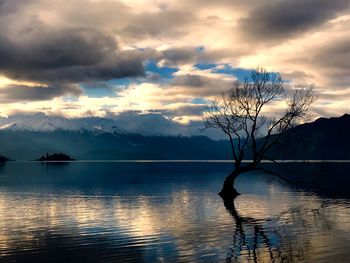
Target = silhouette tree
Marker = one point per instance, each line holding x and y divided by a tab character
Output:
242	113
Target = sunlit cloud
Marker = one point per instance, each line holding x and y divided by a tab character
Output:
145	54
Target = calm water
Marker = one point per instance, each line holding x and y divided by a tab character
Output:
158	212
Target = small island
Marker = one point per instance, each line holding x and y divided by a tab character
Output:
55	157
3	159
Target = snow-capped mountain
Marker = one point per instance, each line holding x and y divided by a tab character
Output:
41	122
131	122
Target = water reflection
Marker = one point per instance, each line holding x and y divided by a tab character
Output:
260	241
313	233
330	178
94	213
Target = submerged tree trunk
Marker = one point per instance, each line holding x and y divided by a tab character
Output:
228	191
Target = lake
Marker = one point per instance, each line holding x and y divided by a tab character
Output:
163	212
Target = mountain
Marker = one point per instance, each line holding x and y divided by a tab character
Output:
148	124
43	123
24	138
323	139
89	145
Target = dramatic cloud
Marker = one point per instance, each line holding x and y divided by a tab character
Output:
185	110
181	55
191	81
334	55
165	60
69	55
200	86
159	24
15	93
281	19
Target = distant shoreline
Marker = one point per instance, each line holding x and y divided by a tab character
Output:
178	161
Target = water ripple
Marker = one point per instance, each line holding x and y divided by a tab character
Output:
86	216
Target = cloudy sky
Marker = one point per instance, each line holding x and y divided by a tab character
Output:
165	59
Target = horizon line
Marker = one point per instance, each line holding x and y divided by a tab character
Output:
179	161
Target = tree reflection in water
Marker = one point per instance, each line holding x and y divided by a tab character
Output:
274	239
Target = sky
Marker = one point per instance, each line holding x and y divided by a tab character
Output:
162	62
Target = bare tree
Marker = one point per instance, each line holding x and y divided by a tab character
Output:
242	113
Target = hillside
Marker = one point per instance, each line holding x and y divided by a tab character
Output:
323	139
87	145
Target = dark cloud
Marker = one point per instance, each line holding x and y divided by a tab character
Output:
227	4
66	55
7	7
191	81
193	55
62	44
158	24
181	55
12	93
200	86
336	78
186	110
331	60
334	55
284	18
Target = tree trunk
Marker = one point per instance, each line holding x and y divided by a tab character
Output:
228	192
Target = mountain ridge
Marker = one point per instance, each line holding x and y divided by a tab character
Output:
323	139
44	123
